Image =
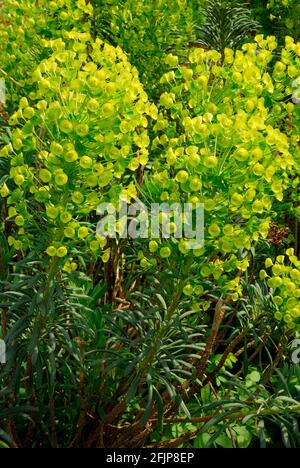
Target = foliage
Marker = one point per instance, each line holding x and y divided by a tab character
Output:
133	343
262	16
147	30
285	15
227	24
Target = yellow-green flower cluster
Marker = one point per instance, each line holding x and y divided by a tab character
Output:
283	277
76	141
227	137
23	26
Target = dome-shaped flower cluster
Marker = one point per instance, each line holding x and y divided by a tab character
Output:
226	136
77	140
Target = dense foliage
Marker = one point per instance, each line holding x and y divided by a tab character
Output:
227	24
286	16
146	30
147	342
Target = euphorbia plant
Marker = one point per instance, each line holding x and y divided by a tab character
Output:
75	144
116	373
227	137
77	137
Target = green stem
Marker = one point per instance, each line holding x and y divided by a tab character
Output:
51	274
162	331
